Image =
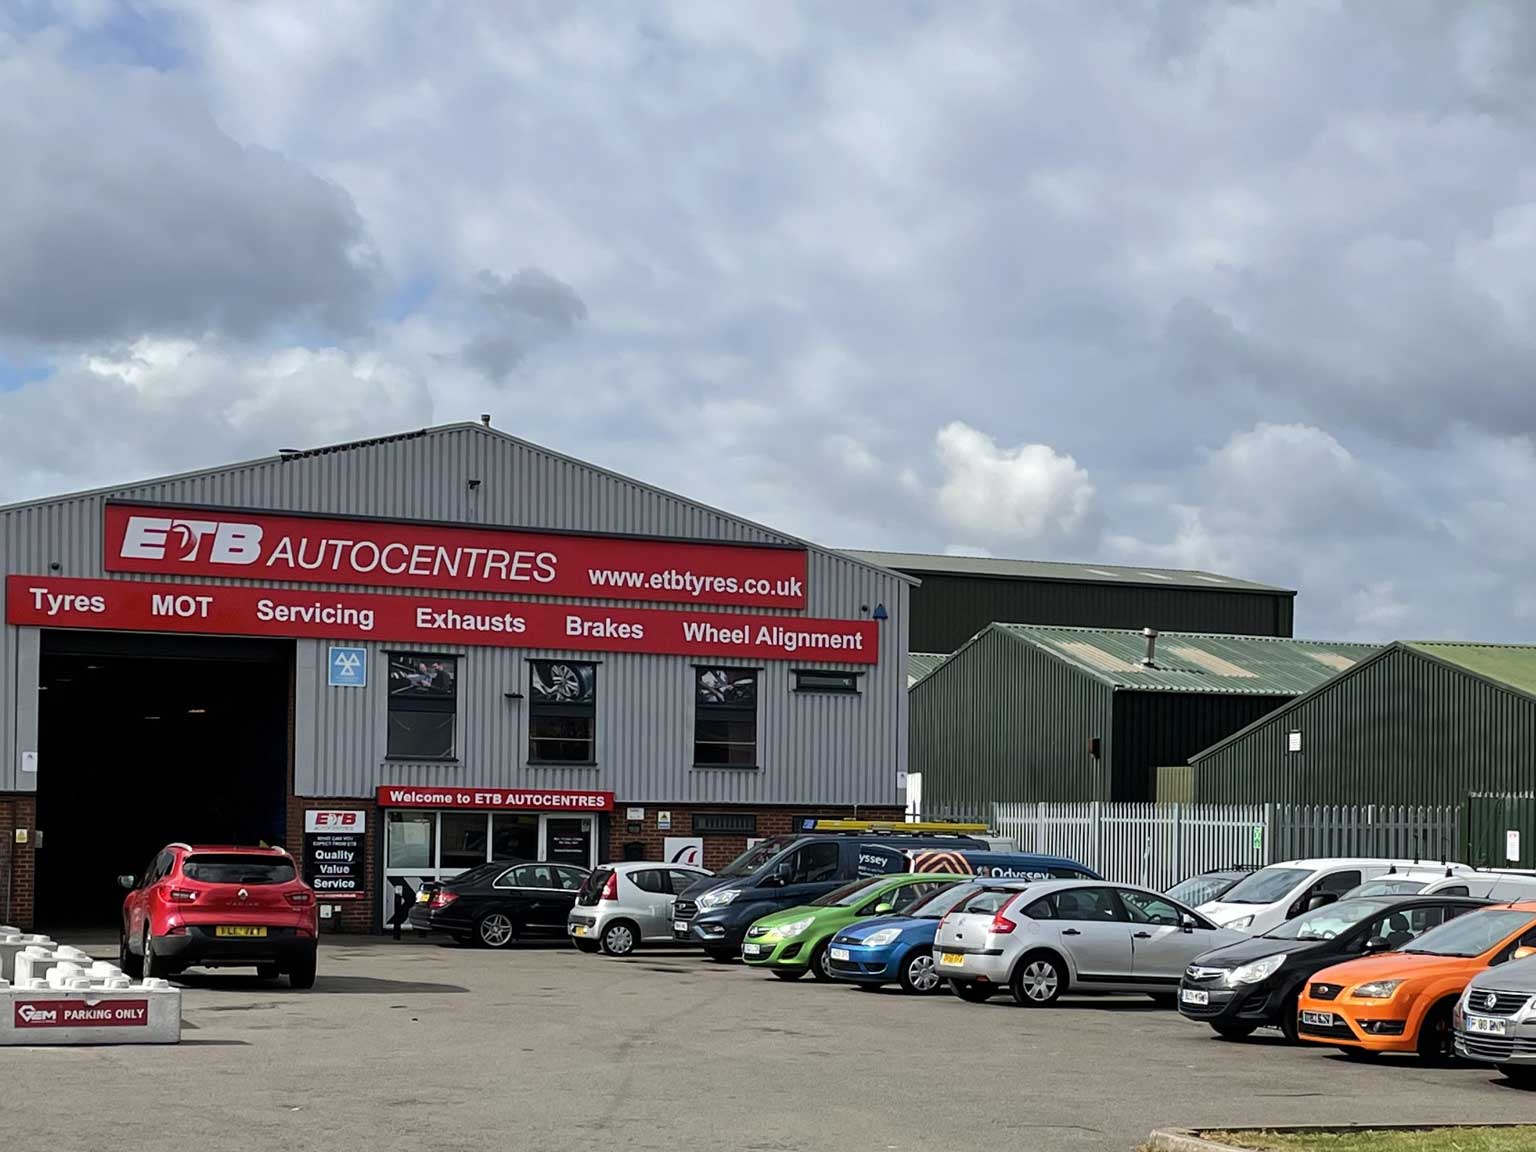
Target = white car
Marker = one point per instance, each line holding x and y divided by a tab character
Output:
623	906
1279	892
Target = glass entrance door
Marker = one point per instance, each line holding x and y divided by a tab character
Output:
568	840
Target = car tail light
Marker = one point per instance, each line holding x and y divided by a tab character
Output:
611	887
183	895
1001	925
176	930
441	899
301	897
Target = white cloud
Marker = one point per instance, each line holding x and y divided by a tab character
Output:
1030	495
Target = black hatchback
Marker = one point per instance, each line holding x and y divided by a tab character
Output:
498	903
1255	983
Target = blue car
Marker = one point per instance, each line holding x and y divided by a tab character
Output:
899	949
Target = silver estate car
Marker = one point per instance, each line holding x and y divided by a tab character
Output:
1495	1019
1041	939
622	906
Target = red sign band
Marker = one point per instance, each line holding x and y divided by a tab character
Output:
212	609
81	1014
181	542
526	799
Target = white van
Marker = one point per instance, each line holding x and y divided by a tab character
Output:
1274	894
1451	880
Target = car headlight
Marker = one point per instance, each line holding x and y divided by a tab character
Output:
1378	989
1241	922
881	938
790	931
1257	971
719	898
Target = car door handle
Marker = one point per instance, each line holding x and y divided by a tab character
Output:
1143	935
1070	932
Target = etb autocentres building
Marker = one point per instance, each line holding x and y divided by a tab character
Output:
406	656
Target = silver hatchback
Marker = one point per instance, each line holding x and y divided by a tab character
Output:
1495	1019
1040	939
622	906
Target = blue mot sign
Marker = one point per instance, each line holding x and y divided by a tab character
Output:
348	668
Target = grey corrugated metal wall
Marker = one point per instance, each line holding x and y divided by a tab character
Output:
948	610
1399	729
815	750
1001	720
1157	728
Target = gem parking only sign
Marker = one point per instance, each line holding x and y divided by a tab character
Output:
349	667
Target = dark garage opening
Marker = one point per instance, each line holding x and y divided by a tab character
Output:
147	740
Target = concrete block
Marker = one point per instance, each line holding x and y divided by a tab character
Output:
12	943
85	1008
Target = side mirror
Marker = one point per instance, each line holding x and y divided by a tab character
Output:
1188	922
1321	900
882	909
1378	944
128	882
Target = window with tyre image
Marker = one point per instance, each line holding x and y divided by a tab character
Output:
562	712
725	718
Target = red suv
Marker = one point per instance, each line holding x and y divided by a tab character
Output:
220	907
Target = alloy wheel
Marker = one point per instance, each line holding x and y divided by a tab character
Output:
1040	981
921	973
495	930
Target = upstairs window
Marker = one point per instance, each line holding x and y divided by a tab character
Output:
562	712
423	706
818	680
725	718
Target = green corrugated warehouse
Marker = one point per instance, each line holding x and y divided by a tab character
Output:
1036	712
921	665
1418	723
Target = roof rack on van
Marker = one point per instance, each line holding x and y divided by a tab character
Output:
894	827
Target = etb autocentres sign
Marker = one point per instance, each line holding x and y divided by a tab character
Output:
525	799
333	851
179	542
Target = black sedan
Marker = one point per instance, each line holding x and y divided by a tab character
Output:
1255	983
498	903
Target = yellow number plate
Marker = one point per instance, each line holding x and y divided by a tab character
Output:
579	930
238	930
954	958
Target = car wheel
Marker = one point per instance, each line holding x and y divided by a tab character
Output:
132	966
867	987
789	973
1523	1075
1290	1025
721	955
821	963
495	930
586	945
971	992
268	971
1435	1036
154	968
1038	981
620	938
302	974
1234	1031
918	974
1164	999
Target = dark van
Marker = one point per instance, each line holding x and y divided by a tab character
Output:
786	871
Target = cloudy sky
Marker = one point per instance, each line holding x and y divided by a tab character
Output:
1244	286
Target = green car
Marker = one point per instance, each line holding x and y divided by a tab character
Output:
793	942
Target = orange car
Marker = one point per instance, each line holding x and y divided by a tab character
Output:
1401	1001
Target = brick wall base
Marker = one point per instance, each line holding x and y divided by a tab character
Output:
18	864
718	850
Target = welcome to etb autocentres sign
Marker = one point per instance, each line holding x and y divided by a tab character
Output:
181	542
526	799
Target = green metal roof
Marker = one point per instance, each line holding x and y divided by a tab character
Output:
1513	665
920	664
1197	662
918	563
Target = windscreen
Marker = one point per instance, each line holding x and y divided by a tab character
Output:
480	873
755	857
849	894
1266	886
1472	934
1198	890
1326	923
231	868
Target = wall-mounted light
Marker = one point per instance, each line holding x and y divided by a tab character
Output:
881	613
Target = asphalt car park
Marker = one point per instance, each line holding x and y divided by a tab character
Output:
541	1047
